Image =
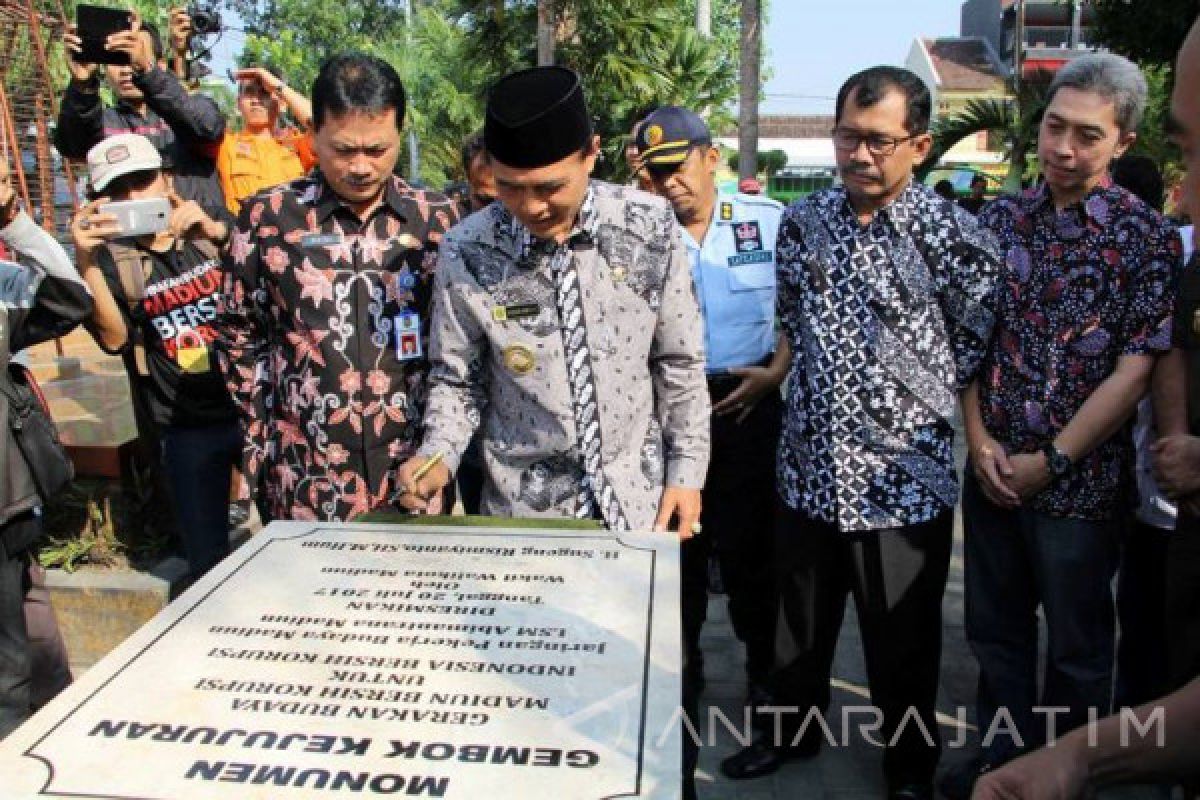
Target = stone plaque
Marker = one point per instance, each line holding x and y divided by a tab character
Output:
329	661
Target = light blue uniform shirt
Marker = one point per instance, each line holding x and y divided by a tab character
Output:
734	272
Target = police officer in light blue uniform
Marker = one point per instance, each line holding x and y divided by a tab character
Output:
731	241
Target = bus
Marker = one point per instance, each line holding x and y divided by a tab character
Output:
792	183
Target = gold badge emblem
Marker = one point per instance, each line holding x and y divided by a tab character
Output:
654	135
499	313
519	359
618	274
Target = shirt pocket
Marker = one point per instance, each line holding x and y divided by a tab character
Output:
753	286
752	277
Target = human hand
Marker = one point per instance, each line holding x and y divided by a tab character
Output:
684	505
1050	773
135	43
1177	464
423	495
1030	474
260	76
91	228
992	469
8	196
756	382
73	47
187	215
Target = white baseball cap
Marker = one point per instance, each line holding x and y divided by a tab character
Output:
120	155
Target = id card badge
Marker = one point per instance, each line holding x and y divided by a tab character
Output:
408	337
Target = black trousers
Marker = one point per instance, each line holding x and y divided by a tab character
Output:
16	659
1183	600
1142	673
897	577
738	519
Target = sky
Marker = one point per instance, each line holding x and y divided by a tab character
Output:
812	46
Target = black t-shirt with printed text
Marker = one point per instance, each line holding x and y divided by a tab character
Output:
175	319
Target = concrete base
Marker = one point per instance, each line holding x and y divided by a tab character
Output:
99	609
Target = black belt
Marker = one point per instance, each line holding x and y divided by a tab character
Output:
718	381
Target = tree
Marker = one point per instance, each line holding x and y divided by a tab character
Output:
546	30
1016	120
1147	31
767	163
749	84
630	54
1150	34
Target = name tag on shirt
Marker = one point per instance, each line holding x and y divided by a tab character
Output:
320	240
758	257
408	337
515	311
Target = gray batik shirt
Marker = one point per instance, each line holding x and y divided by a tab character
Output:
494	305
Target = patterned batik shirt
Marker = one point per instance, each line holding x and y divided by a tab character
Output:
322	338
1082	287
887	323
498	362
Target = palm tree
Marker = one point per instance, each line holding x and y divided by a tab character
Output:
546	32
751	57
1017	120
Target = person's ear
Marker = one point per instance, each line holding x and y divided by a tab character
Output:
1124	142
921	145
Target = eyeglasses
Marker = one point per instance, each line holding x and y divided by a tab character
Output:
877	144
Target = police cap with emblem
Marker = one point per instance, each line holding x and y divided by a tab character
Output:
536	117
667	135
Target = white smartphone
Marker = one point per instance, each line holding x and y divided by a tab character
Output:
140	217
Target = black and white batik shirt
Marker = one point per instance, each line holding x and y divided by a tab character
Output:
888	322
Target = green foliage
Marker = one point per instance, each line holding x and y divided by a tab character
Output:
630	53
1151	34
1148	31
1152	138
94	542
767	163
1016	120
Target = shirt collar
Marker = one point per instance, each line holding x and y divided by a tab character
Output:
328	201
898	213
528	245
1040	199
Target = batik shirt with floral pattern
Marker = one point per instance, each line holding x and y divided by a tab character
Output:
1082	287
887	322
309	328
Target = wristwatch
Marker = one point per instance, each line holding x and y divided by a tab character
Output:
1058	462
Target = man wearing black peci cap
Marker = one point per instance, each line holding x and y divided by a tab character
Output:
730	241
566	329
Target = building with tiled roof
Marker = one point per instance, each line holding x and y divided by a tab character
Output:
959	69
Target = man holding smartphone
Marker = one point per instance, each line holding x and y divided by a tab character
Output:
156	300
185	128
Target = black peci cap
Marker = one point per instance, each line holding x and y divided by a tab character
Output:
536	117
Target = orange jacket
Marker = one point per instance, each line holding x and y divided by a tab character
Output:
248	164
